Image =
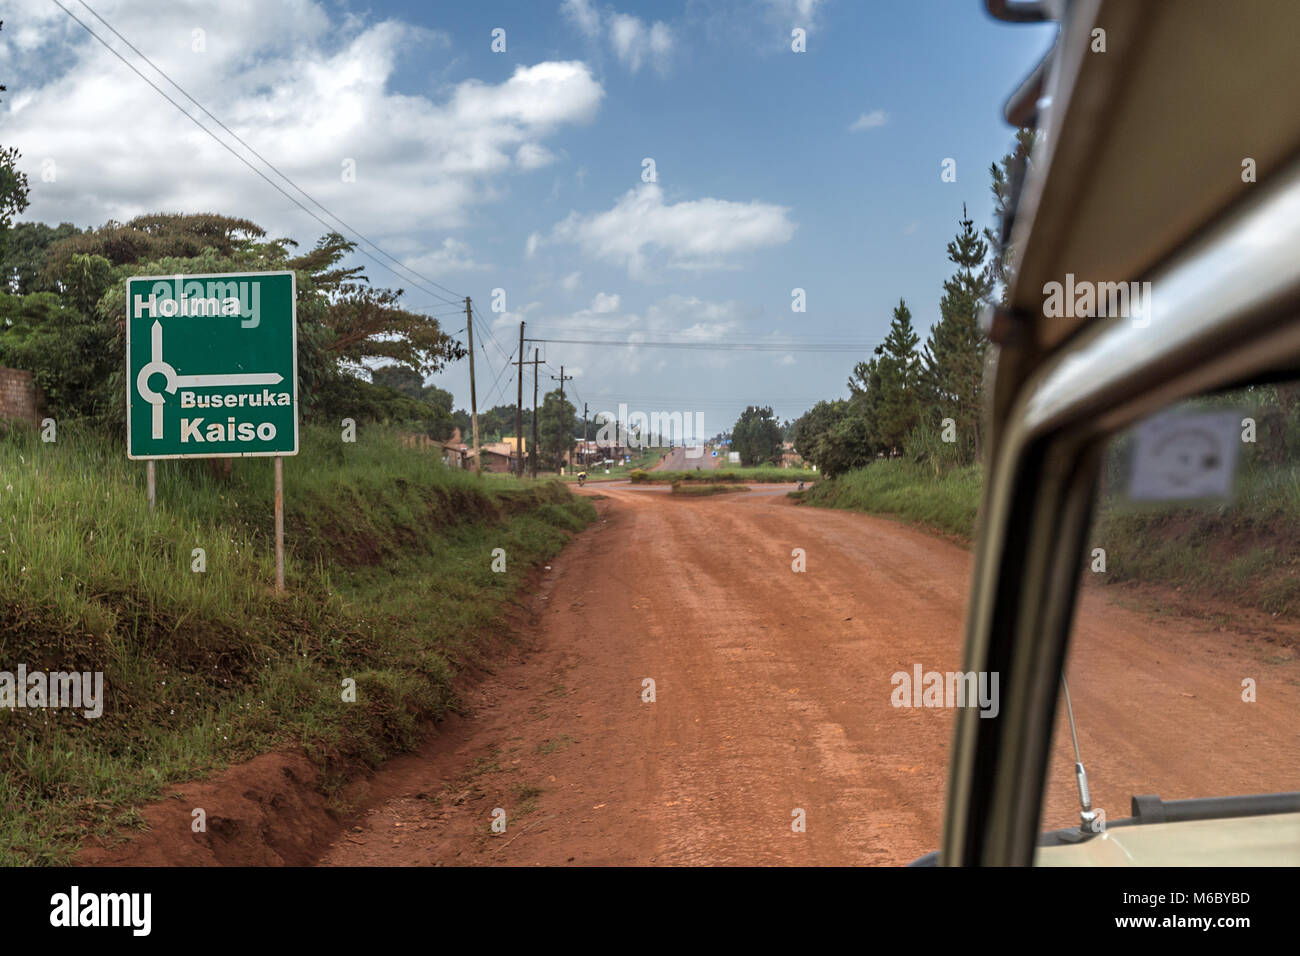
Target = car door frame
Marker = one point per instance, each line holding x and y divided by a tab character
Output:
1224	309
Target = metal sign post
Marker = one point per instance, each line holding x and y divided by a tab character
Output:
279	524
212	372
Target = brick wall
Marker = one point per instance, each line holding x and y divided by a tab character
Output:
19	397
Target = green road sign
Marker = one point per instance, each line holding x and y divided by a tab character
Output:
211	365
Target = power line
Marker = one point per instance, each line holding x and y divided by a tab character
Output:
685	404
243	159
432	310
561	328
487	330
722	346
495	389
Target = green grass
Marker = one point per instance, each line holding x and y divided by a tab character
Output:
947	504
1246	551
389	583
734	474
699	489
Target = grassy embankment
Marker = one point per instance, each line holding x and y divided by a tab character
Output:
389	582
1245	552
699	489
908	491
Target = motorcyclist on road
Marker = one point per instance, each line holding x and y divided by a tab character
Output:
582	478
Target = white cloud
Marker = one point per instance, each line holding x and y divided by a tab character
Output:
796	13
583	15
452	256
873	120
605	303
533	156
676	317
761	25
570	282
694	234
306	88
633	41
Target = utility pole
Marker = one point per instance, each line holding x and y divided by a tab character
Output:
536	450
473	394
584	436
519	406
568	426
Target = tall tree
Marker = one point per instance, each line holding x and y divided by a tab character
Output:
1007	177
896	407
954	355
13	191
400	378
167	235
756	436
22	260
555	429
13	185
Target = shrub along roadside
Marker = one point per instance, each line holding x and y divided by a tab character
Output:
699	489
390	583
899	487
761	473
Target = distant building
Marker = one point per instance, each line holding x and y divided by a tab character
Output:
498	457
588	452
454	454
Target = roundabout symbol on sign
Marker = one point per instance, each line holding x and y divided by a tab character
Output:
156	366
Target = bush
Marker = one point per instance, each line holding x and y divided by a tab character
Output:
924	445
846	446
899	487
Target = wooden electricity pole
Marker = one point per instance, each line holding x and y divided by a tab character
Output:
519	407
473	394
568	426
533	466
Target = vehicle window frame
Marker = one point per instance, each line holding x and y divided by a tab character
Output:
1225	311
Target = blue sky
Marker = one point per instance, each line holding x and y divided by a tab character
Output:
522	170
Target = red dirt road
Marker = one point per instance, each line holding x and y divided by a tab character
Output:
773	695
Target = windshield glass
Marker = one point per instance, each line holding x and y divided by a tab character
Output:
1183	669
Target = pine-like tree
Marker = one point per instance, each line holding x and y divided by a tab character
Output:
1007	178
864	399
954	355
898	406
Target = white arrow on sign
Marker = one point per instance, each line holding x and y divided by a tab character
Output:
174	381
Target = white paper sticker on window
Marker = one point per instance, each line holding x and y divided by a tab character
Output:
1184	455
